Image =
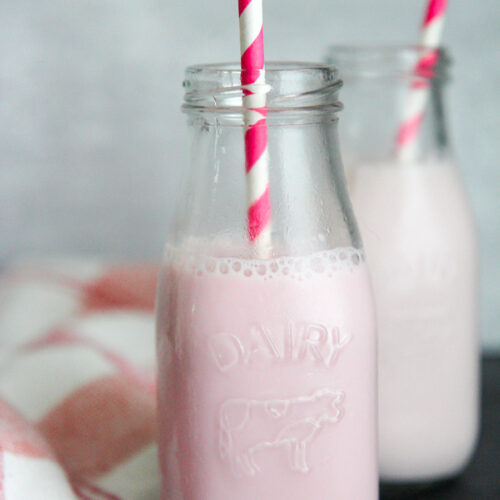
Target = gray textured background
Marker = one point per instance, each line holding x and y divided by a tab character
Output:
92	141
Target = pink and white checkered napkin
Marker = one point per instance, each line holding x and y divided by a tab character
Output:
77	388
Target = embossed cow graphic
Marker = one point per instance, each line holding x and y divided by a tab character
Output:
249	427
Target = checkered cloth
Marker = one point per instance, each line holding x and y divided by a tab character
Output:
77	387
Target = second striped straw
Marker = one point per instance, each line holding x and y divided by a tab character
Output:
408	132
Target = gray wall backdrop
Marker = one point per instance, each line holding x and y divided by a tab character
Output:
92	141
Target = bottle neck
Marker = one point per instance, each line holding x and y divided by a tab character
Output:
374	118
310	208
394	106
298	163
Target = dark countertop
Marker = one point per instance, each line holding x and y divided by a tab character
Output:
481	479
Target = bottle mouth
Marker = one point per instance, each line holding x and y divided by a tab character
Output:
390	61
288	86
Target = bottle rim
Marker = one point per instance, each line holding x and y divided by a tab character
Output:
298	86
393	61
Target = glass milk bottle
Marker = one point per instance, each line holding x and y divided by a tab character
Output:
267	384
420	244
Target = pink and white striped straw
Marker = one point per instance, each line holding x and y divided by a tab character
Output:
432	28
254	102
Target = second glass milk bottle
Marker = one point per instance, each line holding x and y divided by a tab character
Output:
267	370
421	248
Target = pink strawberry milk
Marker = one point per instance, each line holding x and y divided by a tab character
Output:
267	357
426	284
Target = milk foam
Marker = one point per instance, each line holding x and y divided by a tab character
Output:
324	262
